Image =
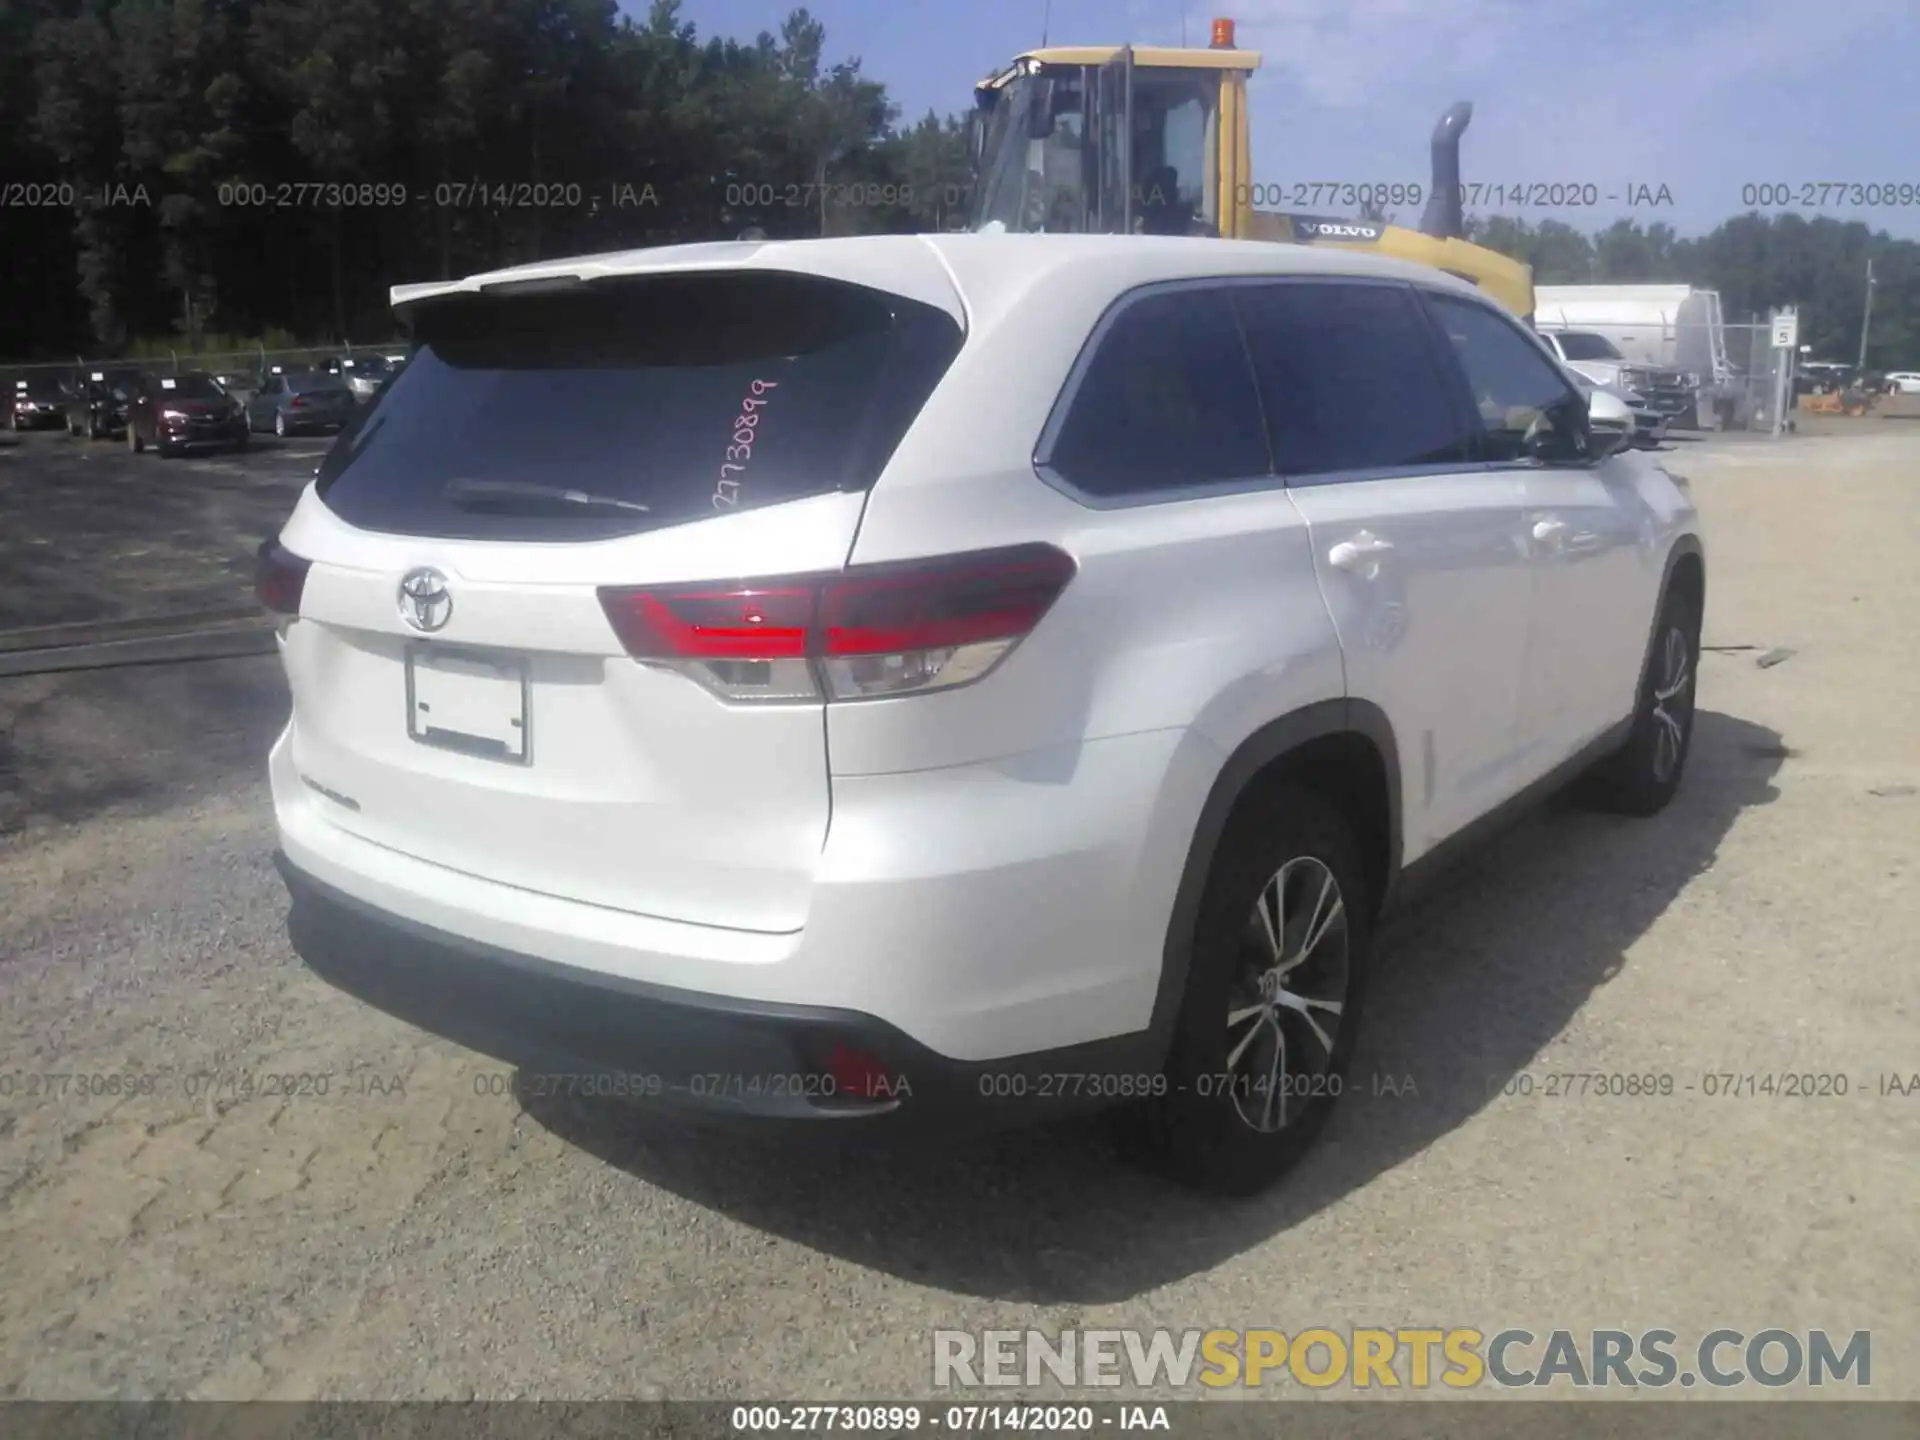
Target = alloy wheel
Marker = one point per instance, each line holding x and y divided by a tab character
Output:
1672	704
1288	995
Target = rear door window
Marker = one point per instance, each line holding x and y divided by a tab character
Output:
1351	378
666	399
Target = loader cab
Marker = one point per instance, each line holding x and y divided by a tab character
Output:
1125	140
1108	140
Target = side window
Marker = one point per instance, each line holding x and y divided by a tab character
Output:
1167	402
1351	378
1527	408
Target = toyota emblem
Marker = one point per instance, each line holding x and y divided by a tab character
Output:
424	601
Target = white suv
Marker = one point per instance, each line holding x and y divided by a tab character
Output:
908	675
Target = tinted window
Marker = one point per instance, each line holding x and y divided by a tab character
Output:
1351	378
1166	402
1578	346
315	384
1526	406
688	394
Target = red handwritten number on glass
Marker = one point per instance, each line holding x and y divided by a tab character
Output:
726	494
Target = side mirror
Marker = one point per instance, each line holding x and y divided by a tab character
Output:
1609	424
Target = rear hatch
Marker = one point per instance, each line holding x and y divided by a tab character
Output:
331	399
482	537
194	399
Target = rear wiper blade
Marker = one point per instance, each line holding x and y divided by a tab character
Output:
525	492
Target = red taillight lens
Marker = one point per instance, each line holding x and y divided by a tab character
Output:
737	623
279	578
887	630
299	403
859	1076
946	603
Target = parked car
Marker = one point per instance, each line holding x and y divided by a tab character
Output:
38	404
1903	382
101	413
1672	392
1824	377
1674	338
363	374
1649	424
176	413
1123	657
297	401
243	385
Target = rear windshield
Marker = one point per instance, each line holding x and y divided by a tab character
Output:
689	395
314	384
1588	347
191	387
39	389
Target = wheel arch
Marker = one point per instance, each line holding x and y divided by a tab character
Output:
1346	747
1686	570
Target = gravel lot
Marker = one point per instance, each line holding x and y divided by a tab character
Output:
413	1235
90	532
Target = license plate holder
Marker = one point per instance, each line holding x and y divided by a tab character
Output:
473	702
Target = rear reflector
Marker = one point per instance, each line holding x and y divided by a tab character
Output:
860	634
279	578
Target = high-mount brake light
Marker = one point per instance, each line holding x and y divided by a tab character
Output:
861	634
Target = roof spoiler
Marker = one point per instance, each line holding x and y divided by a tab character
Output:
1445	218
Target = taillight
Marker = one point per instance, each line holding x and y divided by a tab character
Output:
299	403
279	577
862	634
744	642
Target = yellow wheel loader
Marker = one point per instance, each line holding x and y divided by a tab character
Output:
1122	140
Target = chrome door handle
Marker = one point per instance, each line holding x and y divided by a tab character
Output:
1351	554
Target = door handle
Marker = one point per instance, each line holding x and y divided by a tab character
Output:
1352	554
1550	532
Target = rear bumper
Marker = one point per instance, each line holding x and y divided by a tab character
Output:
578	1032
984	911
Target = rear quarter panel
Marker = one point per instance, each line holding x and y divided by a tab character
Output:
1189	625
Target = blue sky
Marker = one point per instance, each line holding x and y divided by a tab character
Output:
1701	96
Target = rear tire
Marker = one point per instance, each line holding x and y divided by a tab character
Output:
280	427
1643	775
1272	1003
